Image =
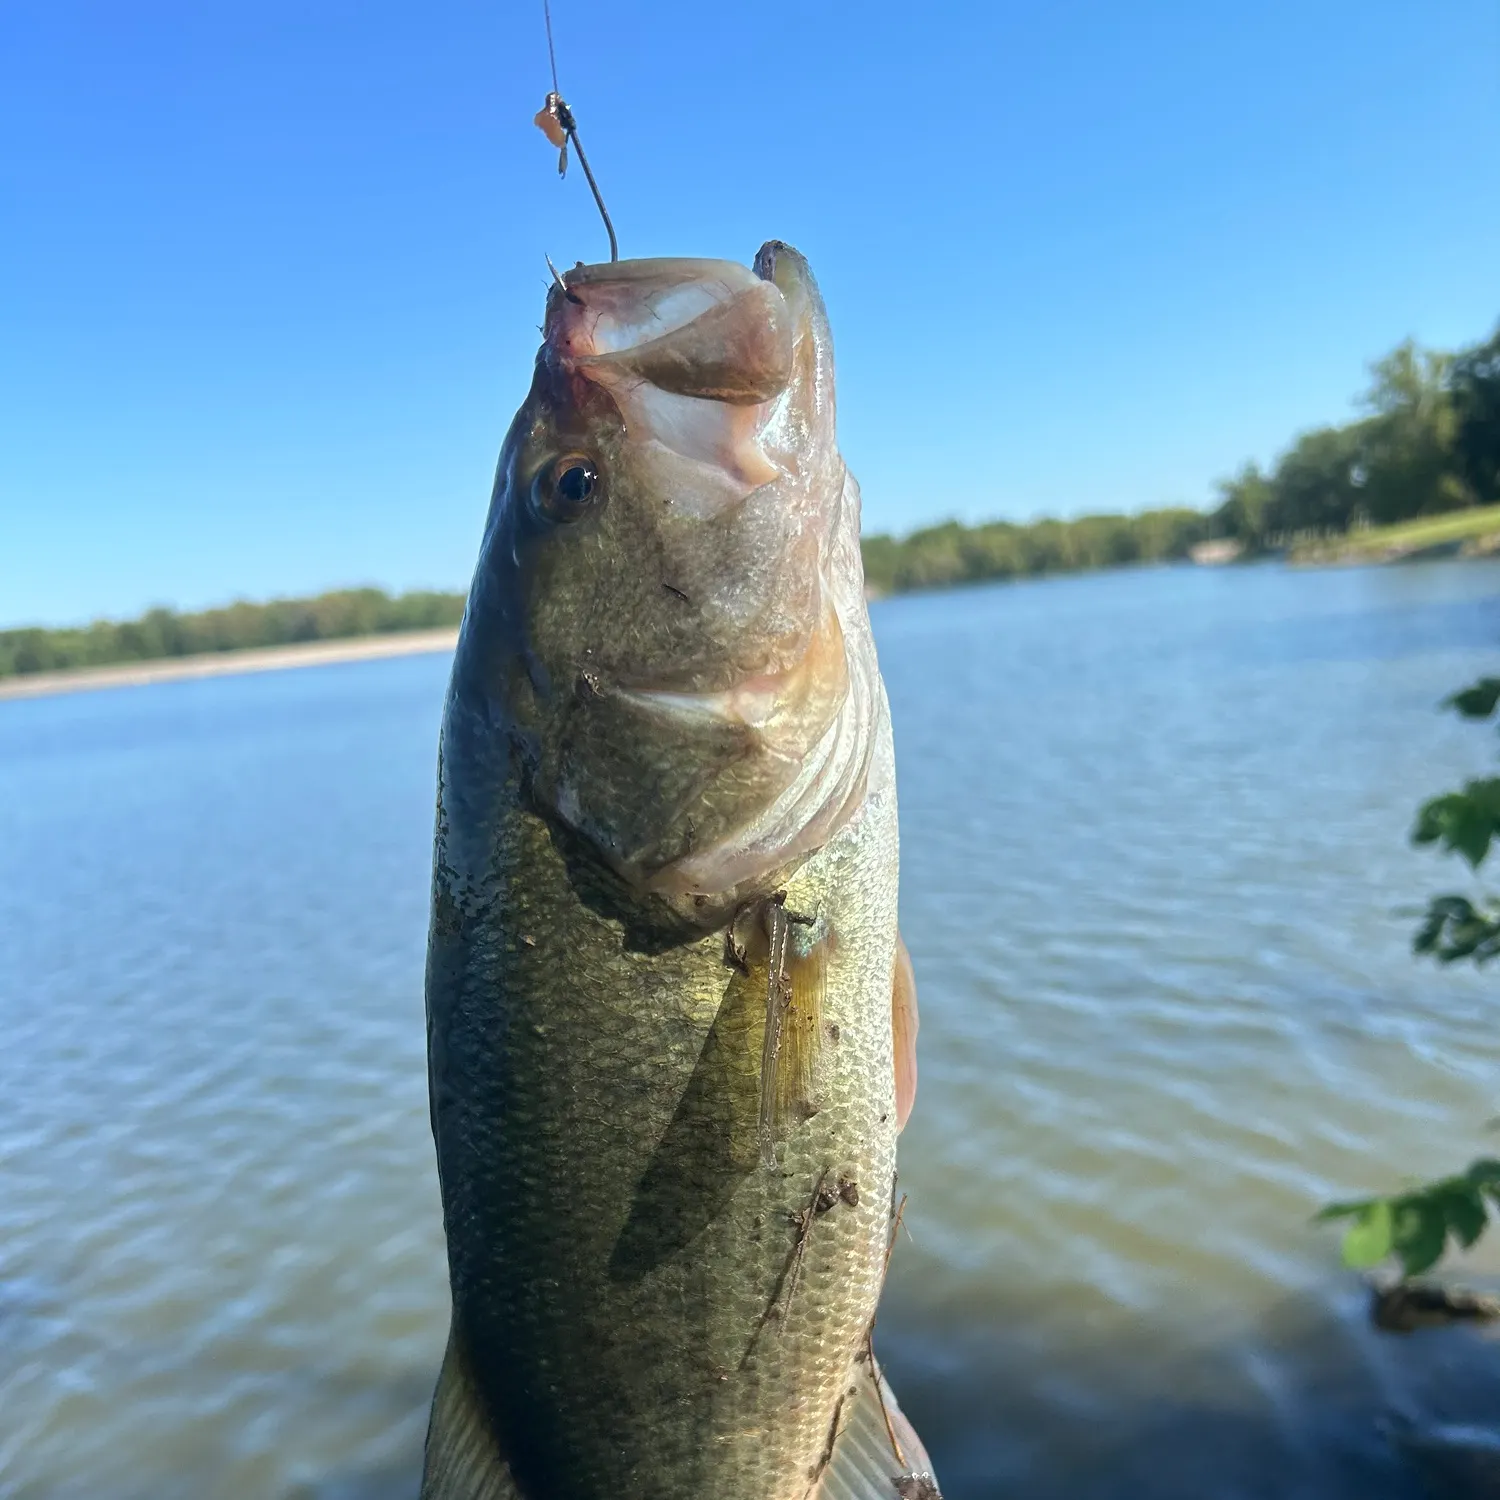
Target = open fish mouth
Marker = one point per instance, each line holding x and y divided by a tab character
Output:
693	353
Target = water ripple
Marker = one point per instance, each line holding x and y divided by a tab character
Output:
1154	855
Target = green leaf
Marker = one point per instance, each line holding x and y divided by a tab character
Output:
1457	822
1477	701
1443	912
1419	1231
1484	1173
1368	1241
1464	821
1344	1210
1454	929
1469	829
1463	1210
1485	794
1430	819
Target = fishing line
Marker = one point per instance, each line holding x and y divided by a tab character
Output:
551	51
560	127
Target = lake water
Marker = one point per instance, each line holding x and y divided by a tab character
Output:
1154	879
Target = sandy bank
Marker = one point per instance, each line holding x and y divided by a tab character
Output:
228	663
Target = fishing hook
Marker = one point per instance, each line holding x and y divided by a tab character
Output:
562	285
556	114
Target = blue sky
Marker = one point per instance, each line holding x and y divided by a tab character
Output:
271	270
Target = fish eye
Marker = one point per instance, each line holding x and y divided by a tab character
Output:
567	488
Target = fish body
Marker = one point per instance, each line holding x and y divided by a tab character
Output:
662	1056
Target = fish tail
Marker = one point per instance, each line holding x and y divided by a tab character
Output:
463	1460
873	1452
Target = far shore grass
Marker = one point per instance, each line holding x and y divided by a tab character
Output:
1406	539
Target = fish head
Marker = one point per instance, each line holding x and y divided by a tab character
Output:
669	610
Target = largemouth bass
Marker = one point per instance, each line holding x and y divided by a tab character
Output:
670	1020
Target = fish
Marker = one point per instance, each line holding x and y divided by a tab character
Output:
671	1023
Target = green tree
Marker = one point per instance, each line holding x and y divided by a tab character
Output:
1246	507
1319	484
1474	383
1162	535
1407	448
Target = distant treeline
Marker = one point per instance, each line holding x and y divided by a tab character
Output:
1429	443
163	632
940	555
952	553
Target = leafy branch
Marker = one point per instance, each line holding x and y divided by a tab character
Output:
1417	1226
1465	823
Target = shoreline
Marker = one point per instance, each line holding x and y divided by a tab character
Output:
228	663
1357	555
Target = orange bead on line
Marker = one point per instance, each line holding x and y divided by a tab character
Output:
546	122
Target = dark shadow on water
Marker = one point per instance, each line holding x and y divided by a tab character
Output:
1299	1408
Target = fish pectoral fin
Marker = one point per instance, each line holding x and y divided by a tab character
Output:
904	1033
874	1452
462	1459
